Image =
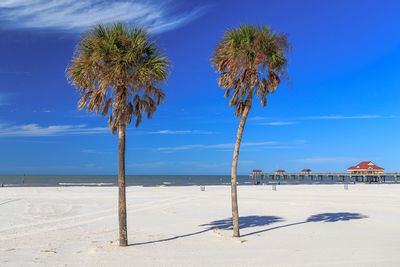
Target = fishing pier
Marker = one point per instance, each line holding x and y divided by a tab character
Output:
326	177
365	172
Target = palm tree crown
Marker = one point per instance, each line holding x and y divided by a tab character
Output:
119	67
251	60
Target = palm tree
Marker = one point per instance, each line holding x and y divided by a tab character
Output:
251	60
120	69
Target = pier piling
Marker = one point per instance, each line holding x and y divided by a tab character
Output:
328	177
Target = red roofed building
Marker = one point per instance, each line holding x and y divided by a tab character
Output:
365	167
306	171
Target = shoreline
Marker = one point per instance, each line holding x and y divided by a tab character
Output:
27	185
154	180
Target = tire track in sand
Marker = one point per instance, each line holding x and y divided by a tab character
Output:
74	221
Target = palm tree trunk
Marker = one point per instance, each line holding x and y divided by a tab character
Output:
235	211
123	233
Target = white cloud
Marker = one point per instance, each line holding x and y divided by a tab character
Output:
92	151
53	130
324	117
35	168
258	143
257	118
278	123
201	166
78	15
300	141
246	162
352	117
181	132
320	160
147	165
229	145
177	148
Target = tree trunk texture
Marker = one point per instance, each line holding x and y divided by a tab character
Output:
123	233
235	211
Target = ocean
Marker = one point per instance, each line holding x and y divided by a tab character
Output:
139	180
111	180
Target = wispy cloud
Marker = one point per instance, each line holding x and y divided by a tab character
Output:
257	118
78	15
207	166
58	130
268	143
278	123
246	162
324	117
352	117
147	165
53	130
92	151
218	146
181	132
320	160
36	168
202	166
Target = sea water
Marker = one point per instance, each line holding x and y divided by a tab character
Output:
112	180
144	180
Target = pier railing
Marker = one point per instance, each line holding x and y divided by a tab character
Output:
328	177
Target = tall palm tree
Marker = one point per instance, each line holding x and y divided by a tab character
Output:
251	60
120	69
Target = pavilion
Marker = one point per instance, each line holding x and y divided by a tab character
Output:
365	167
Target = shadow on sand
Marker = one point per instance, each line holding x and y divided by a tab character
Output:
244	222
258	221
322	217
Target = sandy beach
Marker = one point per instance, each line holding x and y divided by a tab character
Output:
297	225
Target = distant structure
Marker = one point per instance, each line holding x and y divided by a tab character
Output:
365	172
365	167
257	175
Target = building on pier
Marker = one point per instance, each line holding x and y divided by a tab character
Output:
306	171
366	167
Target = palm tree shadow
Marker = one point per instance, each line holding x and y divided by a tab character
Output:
322	217
244	222
257	221
170	238
226	224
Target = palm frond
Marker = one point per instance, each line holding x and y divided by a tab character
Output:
119	71
251	60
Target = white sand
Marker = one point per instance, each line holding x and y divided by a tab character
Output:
77	226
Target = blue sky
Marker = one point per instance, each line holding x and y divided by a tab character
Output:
341	108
